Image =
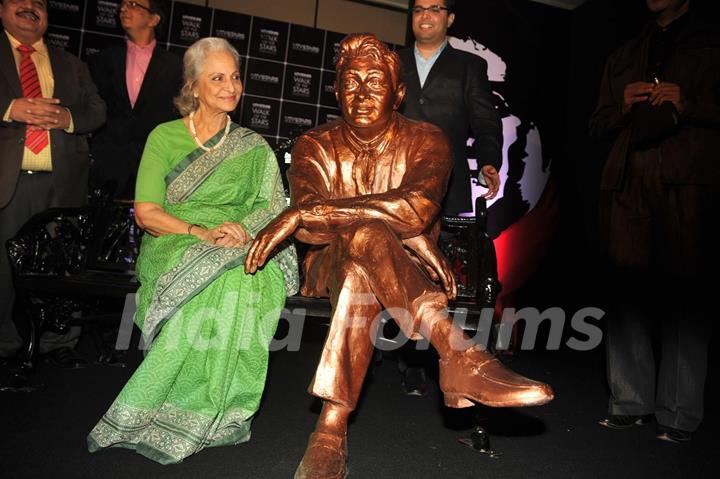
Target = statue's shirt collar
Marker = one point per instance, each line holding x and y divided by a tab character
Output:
377	145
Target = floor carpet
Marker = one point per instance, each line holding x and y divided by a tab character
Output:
391	435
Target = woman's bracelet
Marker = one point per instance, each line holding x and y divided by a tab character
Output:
190	227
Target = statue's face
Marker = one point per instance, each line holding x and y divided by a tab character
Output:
365	93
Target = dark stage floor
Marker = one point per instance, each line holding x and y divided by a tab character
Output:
392	435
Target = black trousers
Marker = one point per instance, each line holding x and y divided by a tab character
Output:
33	194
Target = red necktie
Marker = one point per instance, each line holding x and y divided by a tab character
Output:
35	138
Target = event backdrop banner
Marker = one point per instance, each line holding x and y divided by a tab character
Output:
288	70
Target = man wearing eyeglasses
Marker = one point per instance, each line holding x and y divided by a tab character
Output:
138	80
449	88
48	104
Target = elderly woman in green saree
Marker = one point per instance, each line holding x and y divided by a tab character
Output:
205	187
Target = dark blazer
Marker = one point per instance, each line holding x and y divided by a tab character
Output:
118	146
690	154
76	91
456	97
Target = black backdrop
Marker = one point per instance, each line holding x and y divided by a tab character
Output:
288	70
532	40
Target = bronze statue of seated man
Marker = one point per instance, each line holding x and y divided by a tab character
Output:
366	193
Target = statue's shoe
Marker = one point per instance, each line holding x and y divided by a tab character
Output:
325	458
476	375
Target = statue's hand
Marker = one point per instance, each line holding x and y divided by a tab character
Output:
436	266
272	235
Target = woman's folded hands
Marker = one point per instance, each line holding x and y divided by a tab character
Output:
230	235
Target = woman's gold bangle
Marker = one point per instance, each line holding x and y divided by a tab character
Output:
190	227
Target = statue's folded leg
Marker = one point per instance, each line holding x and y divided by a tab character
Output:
375	256
367	269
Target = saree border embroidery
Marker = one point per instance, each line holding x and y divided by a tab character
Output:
193	170
201	264
169	431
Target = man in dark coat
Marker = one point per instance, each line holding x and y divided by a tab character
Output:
449	88
660	100
138	80
48	104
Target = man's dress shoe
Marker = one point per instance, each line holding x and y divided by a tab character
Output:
476	375
670	434
624	421
414	382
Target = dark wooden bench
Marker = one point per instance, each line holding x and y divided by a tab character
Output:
71	260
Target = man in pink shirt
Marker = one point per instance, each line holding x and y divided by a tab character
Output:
139	53
138	80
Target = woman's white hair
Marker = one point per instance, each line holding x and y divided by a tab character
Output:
193	65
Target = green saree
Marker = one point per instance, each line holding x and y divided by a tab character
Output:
209	323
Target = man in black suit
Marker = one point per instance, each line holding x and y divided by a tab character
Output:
449	88
49	104
138	80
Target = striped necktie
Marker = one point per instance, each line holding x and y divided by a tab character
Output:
35	138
